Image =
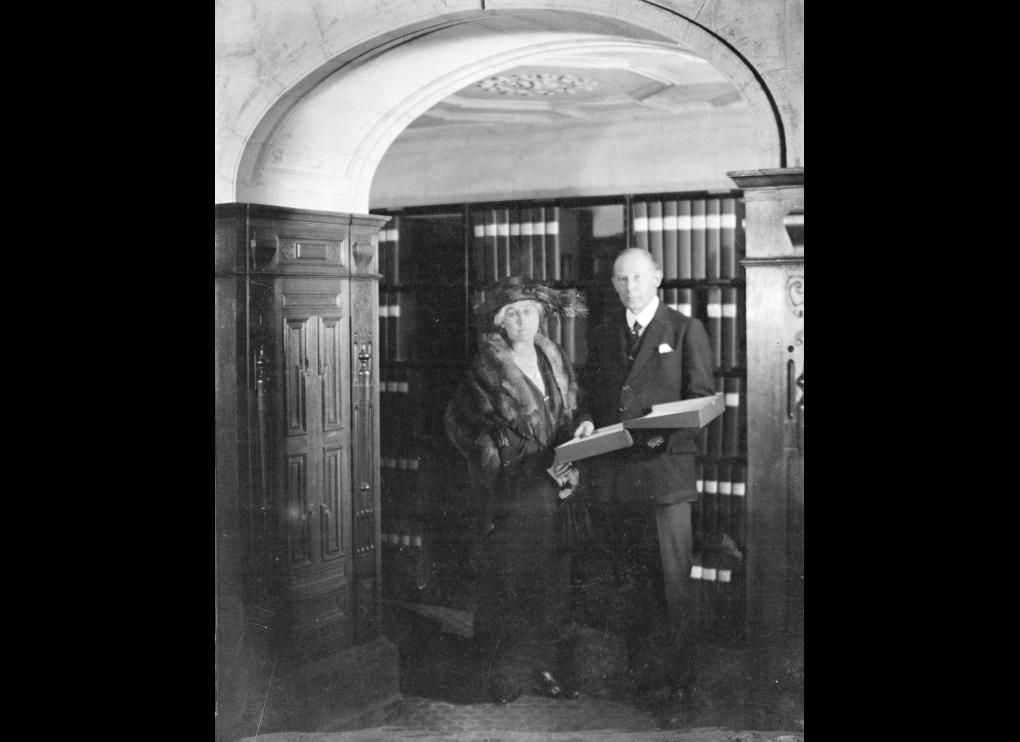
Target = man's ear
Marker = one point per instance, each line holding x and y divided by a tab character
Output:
658	278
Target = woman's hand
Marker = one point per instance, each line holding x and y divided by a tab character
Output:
559	472
584	429
567	476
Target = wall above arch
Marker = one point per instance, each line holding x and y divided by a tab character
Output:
309	97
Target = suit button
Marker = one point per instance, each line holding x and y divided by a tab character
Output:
626	388
623	409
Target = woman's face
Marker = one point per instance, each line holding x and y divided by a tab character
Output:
520	320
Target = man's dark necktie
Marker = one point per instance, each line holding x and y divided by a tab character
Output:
632	340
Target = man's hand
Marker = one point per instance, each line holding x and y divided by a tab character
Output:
584	429
655	442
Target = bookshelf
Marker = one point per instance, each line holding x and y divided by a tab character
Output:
435	262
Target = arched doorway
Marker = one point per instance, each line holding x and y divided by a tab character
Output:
321	140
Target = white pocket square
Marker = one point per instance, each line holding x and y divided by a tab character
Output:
664	348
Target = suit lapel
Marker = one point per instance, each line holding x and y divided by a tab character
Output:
650	339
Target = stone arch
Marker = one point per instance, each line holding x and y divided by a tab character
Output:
377	86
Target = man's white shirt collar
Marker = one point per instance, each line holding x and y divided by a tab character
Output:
645	316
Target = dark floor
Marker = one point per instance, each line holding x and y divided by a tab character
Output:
443	690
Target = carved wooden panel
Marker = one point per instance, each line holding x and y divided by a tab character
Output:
334	483
296	508
310	299
325	252
295	360
331	353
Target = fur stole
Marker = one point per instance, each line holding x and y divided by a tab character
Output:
496	393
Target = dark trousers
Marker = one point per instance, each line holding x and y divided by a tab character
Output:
653	549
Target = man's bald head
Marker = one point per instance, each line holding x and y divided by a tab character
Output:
636	278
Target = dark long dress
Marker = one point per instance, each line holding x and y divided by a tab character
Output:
523	568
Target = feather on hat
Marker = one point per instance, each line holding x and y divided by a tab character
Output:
563	302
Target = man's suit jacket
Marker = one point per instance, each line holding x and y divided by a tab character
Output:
673	361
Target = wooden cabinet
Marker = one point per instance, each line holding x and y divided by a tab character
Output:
774	267
297	422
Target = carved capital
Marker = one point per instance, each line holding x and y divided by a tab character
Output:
795	294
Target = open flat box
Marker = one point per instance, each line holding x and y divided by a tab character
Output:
684	413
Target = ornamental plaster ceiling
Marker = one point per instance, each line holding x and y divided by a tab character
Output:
584	88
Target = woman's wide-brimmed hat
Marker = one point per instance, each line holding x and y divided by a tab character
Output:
562	302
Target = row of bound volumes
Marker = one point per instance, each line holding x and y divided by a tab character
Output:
538	242
726	436
406	559
721	311
694	238
718	521
392	265
396	325
394	380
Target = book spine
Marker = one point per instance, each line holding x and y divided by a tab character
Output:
714	324
698	236
698	521
738	488
393	317
478	245
685	301
538	243
655	231
516	266
715	436
670	250
710	498
732	419
404	383
566	220
684	262
527	248
713	257
503	241
698	518
740	323
396	325
405	307
491	248
552	243
740	220
640	224
672	299
384	326
725	489
397	267
729	328
728	237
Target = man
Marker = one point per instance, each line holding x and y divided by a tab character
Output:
645	353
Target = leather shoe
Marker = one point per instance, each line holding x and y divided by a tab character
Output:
553	688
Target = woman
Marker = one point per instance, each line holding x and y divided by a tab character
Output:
518	402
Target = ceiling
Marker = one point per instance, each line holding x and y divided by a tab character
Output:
585	88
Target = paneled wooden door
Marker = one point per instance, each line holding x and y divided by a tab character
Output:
315	474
